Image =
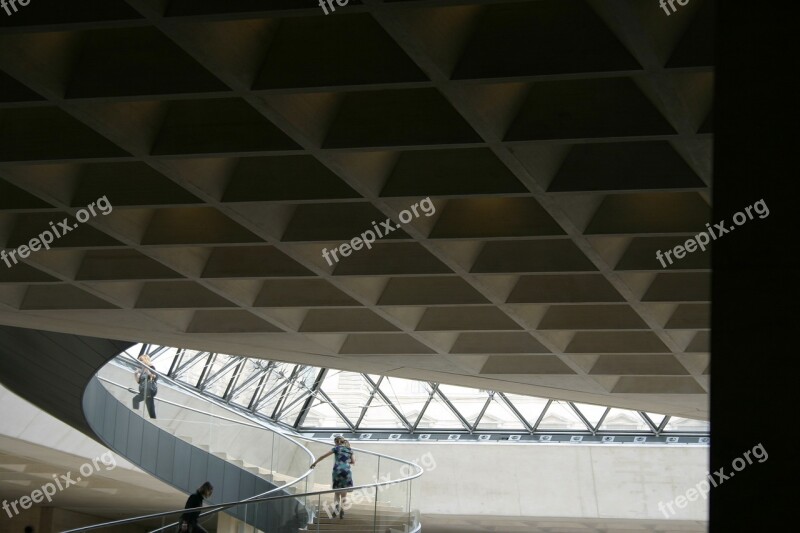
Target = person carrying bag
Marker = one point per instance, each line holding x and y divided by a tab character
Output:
148	388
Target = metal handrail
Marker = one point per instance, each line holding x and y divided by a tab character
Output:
208	510
259	422
246	424
257	426
119	359
200	411
220	506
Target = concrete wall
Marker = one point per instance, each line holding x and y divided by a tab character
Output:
53	520
35	437
26	422
552	480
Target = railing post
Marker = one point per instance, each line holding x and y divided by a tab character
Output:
375	516
272	459
411	522
377	480
319	510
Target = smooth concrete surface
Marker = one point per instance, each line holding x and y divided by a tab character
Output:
51	370
551	480
52	519
34	447
26	422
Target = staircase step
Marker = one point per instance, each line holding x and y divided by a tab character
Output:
368	512
324	518
382	507
348	522
351	525
255	469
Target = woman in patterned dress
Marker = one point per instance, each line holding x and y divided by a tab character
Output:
342	475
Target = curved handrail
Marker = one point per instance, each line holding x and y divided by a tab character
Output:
264	426
211	509
221	506
188	408
288	468
258	424
187	389
220	417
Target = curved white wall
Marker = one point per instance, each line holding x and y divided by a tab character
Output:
552	480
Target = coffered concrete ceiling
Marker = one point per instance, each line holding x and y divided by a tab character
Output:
561	143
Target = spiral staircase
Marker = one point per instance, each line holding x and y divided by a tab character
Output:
261	475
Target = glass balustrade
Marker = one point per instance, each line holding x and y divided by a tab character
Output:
295	497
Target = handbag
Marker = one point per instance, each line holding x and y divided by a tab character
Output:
152	386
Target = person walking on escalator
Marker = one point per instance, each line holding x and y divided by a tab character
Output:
342	475
188	523
146	378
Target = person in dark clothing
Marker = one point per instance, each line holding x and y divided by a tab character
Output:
146	379
189	520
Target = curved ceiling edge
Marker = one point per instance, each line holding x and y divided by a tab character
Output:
52	370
